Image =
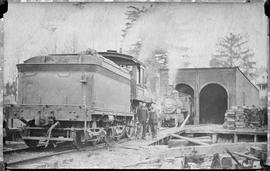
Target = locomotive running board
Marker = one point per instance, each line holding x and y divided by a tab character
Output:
46	138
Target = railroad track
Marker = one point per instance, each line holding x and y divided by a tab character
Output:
15	158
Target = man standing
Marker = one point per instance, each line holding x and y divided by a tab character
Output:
153	121
142	113
138	121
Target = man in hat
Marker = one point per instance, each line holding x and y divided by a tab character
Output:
142	113
153	120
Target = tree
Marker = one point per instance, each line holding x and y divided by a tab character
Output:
133	14
232	51
11	89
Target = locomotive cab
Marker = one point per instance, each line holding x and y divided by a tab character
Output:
137	73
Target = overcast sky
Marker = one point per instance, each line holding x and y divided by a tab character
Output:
41	28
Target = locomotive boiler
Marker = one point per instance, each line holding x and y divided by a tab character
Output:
77	97
174	110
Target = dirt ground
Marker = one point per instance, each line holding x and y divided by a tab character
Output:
132	154
124	155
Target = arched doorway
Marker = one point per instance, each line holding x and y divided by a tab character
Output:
186	93
213	104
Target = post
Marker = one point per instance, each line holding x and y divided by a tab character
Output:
235	138
267	12
197	100
255	138
214	138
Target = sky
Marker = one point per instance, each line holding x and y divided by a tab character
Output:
33	29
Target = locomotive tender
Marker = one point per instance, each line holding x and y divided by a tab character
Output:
77	97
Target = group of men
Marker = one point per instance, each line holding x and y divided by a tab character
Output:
146	116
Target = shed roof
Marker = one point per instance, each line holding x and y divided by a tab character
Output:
121	59
217	68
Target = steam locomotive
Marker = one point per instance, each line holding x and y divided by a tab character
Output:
77	97
174	110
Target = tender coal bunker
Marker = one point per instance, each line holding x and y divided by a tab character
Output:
213	104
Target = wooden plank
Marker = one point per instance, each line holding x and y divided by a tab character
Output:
155	160
204	137
235	159
224	132
177	143
210	149
246	156
214	138
184	123
45	138
196	141
180	129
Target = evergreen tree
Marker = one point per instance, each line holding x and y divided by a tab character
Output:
232	51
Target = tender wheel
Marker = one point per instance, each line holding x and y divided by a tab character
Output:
31	143
123	133
130	131
120	133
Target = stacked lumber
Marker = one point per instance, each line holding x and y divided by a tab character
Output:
243	117
240	118
230	116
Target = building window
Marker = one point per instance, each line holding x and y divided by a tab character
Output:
138	75
142	76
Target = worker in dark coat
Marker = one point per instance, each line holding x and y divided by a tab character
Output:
153	121
138	124
4	131
142	113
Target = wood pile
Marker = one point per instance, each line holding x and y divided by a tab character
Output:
245	117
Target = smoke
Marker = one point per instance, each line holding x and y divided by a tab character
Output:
160	30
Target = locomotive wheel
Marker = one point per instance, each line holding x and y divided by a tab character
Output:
31	143
130	131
